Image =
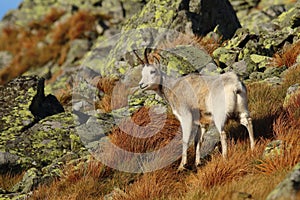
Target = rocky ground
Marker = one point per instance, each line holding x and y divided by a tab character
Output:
38	136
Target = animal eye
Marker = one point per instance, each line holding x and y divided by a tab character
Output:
152	72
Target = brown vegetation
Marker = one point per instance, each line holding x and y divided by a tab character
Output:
115	94
30	46
287	56
156	185
209	44
131	137
7	181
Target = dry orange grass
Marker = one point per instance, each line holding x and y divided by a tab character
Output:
115	94
7	181
292	76
157	132
84	180
48	20
160	184
143	134
287	56
74	27
64	96
81	22
286	129
208	43
251	186
265	105
218	171
28	45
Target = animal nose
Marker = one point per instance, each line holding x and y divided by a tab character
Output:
141	85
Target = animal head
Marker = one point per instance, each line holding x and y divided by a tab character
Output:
151	73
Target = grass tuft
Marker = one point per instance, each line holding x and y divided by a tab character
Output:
208	43
31	46
287	56
142	134
7	181
115	94
154	185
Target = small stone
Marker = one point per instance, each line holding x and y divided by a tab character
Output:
210	69
274	148
241	68
292	91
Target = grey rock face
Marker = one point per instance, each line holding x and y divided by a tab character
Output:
289	188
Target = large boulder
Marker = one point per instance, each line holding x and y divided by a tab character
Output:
257	47
289	188
33	133
35	137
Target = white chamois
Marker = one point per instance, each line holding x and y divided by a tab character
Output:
199	100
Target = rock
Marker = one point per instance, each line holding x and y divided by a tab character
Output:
257	47
185	59
244	5
51	138
210	141
273	81
264	17
169	21
36	141
260	60
78	49
15	98
256	76
116	192
216	13
291	18
274	148
273	72
5	59
210	69
29	181
8	162
291	92
203	17
93	130
289	188
241	68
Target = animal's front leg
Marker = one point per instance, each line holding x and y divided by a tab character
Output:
247	122
186	122
224	144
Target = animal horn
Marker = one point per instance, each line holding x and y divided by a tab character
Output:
146	55
139	59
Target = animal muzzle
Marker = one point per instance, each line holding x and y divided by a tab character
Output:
142	86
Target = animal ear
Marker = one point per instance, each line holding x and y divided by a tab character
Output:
156	61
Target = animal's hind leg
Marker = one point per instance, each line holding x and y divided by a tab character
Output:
247	122
198	144
186	122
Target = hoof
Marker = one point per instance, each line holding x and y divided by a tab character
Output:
198	164
181	168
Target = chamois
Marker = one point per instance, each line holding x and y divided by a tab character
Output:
199	100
